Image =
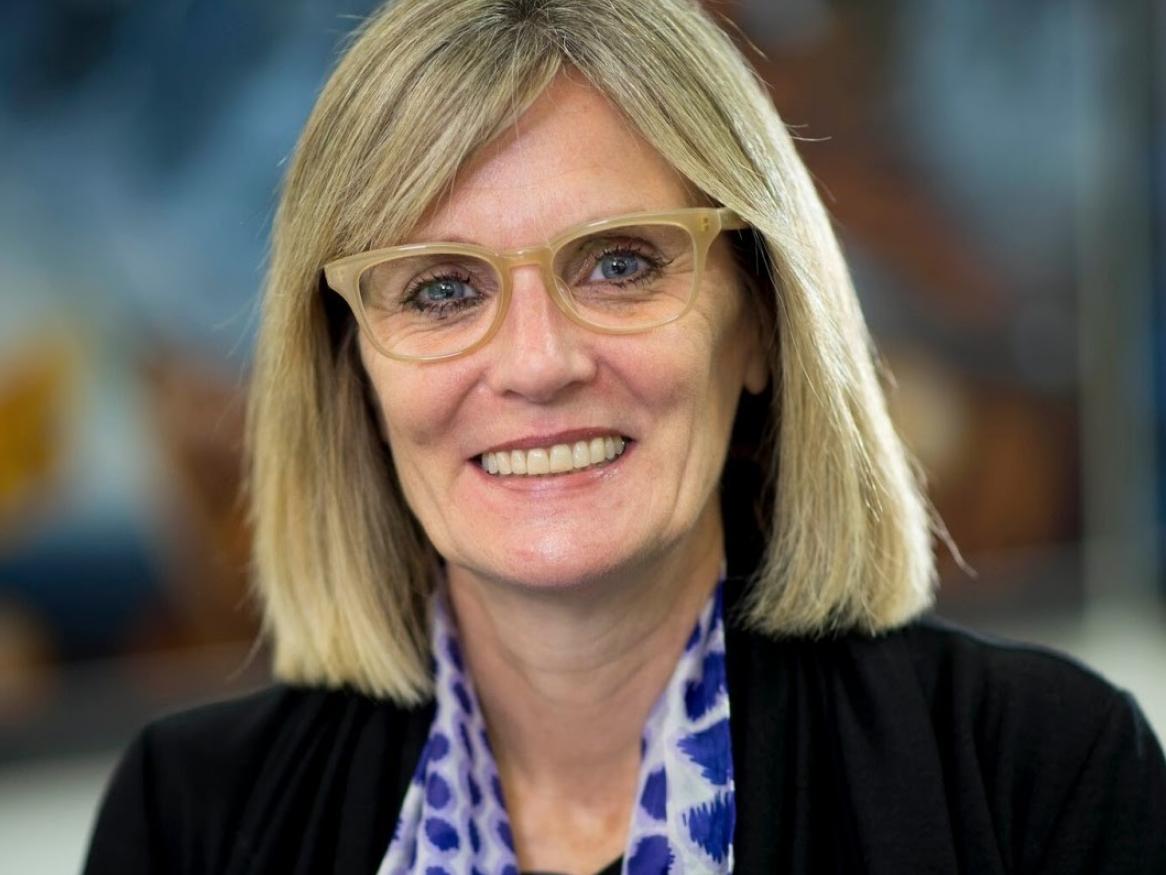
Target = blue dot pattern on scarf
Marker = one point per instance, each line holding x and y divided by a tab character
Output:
504	834
651	856
654	798
463	697
475	837
683	822
455	653
711	826
708	749
437	792
441	833
701	695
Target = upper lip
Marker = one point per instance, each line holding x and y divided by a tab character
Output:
569	436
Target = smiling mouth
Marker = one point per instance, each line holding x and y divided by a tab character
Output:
555	459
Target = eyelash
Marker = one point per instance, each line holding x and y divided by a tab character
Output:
439	309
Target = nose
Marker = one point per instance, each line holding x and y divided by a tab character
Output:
538	352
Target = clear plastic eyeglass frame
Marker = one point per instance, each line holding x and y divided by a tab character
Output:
702	223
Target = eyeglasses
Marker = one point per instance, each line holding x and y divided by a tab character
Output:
432	301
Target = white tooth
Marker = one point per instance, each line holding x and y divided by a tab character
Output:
537	462
580	455
558	459
597	450
561	460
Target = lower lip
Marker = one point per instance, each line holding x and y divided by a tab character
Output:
567	480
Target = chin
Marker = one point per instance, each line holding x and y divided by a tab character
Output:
555	566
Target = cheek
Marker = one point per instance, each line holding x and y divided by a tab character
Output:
718	351
416	403
692	379
715	344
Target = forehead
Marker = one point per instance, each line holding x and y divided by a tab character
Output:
570	158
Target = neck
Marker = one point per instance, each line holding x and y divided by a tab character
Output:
566	677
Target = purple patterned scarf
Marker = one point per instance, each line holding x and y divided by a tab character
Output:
453	820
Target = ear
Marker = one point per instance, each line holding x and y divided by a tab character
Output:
757	373
760	339
760	334
757	362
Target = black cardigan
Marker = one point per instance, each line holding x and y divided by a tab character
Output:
928	749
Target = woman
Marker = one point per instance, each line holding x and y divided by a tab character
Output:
536	266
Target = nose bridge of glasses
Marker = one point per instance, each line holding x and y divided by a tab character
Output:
537	256
540	257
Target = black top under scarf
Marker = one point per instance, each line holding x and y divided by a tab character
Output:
612	868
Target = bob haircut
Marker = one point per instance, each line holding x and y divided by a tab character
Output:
342	568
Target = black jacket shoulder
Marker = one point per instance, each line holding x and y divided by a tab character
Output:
1068	765
224	787
933	749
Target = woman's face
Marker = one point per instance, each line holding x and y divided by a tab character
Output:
542	380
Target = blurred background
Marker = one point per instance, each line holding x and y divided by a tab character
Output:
997	170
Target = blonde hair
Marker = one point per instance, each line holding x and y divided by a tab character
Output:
341	566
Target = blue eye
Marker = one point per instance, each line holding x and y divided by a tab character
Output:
443	290
441	296
618	266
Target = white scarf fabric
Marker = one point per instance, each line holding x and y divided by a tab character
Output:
453	820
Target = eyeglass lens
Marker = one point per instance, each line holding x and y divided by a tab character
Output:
439	303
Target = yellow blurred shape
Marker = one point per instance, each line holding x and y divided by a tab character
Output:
35	390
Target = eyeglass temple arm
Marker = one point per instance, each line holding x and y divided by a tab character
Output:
730	220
